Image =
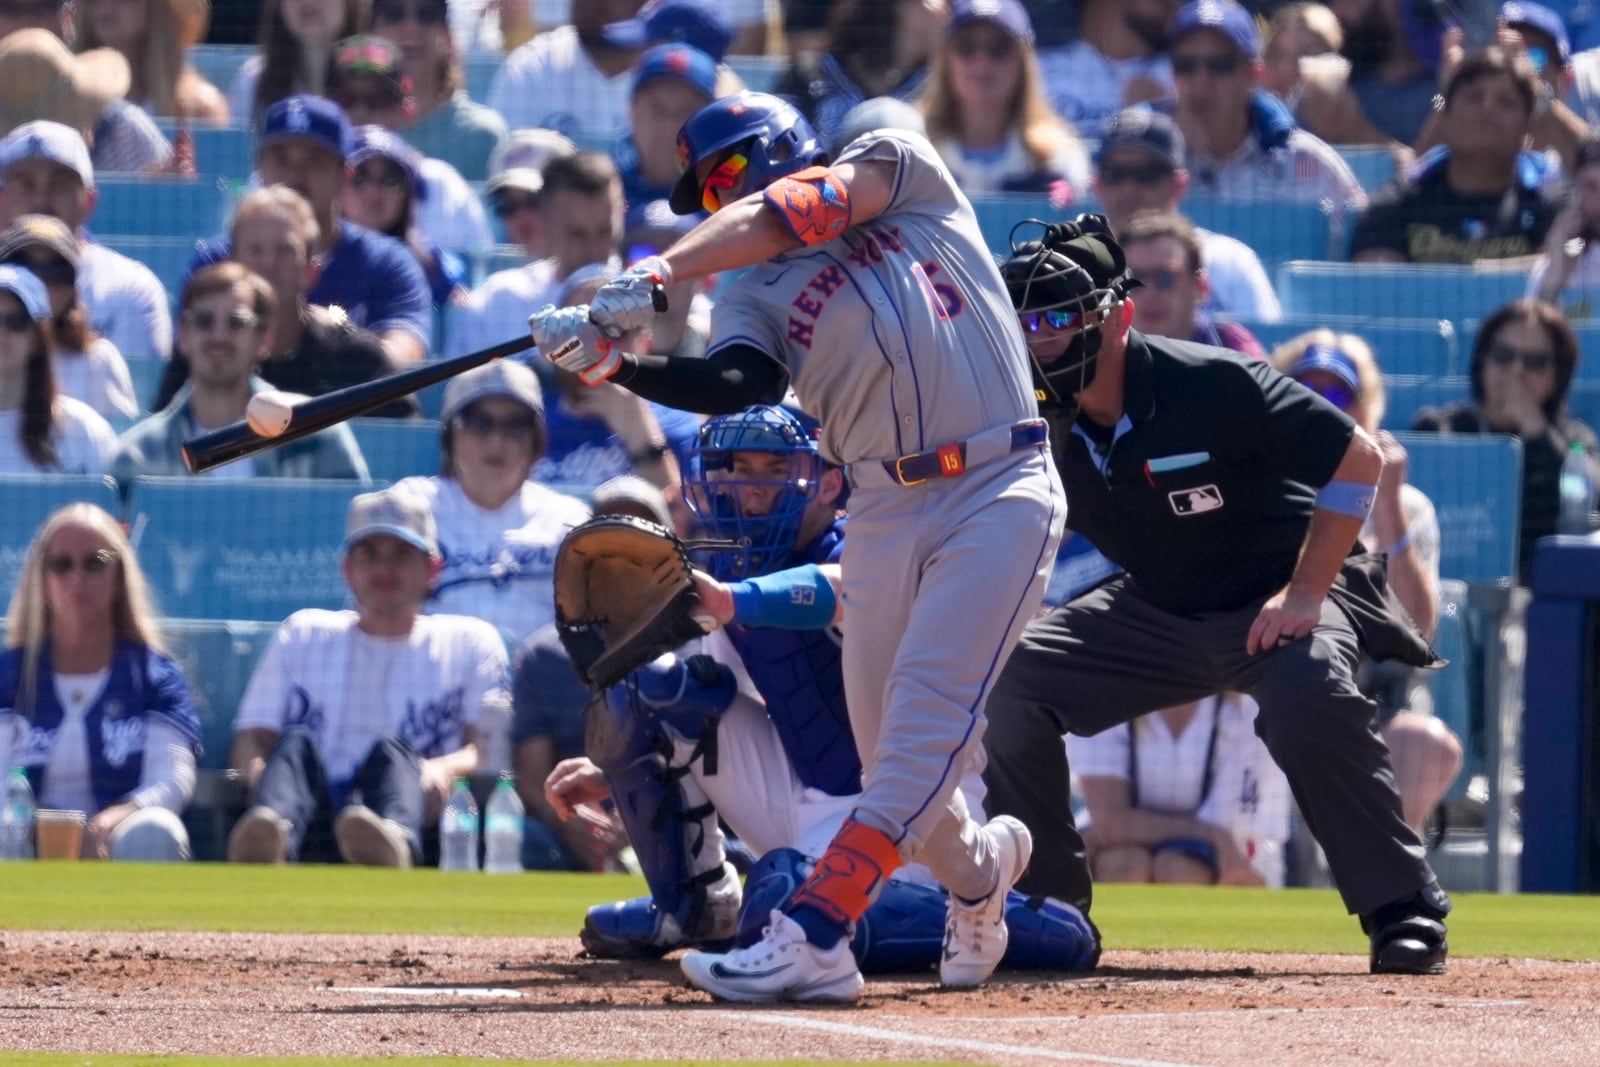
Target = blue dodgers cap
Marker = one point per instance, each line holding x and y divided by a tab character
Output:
395	512
682	62
376	142
307	118
1222	16
1009	15
1540	18
1144	129
698	23
26	287
1330	360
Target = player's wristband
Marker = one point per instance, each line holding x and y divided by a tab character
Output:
800	598
1348	498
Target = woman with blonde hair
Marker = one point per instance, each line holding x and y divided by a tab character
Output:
91	706
1341	368
41	431
986	108
154	36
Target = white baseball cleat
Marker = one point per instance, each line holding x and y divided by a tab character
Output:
783	965
975	935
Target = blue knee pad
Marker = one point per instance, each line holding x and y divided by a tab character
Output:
903	930
1047	934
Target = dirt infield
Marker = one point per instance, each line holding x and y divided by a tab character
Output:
249	994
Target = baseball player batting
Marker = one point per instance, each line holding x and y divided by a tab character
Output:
871	290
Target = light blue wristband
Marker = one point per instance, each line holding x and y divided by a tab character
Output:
1348	498
800	598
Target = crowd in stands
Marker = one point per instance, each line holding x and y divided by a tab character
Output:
395	211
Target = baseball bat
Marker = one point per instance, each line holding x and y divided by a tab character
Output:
237	440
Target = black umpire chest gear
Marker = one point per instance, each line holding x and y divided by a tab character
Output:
1204	489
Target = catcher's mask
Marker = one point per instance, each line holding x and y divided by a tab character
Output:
1072	277
749	479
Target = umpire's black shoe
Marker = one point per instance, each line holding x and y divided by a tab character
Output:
1408	936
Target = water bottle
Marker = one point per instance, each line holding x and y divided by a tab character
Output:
1577	492
458	830
16	818
502	828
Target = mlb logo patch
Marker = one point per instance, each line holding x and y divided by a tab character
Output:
1195	501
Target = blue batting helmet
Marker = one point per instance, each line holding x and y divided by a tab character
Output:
754	502
776	139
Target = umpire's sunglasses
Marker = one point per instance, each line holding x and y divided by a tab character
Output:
1059	319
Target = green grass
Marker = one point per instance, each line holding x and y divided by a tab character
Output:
314	899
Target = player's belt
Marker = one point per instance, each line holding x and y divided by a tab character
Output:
948	461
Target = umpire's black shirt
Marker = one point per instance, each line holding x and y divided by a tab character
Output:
1203	491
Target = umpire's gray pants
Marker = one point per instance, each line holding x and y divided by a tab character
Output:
1110	656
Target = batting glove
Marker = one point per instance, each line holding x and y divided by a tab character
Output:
628	302
568	339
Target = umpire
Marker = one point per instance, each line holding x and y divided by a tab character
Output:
1232	498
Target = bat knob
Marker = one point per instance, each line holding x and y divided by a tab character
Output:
658	298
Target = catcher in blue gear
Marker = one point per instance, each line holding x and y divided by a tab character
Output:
756	479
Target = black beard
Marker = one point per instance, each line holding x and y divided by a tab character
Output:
1153	32
1368	45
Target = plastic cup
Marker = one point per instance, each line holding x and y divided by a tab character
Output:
60	833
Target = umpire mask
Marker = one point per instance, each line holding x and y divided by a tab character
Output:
1071	278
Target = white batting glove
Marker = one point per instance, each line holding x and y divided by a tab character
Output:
568	339
627	302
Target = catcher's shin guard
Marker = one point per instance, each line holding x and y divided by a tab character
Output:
694	891
903	930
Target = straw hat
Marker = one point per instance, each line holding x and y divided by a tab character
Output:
44	80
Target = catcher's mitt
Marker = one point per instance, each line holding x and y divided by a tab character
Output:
624	595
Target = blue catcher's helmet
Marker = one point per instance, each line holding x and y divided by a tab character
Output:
777	141
754	500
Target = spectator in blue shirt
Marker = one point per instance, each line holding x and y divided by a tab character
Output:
304	144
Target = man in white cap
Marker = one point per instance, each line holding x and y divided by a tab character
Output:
45	170
516	181
371	713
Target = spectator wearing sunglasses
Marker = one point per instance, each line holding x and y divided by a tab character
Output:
516	180
1120	59
94	710
224	333
1542	37
445	123
383	191
314	349
1522	367
1342	369
498	527
1163	252
987	112
1478	196
87	366
580	219
1140	167
1242	142
41	430
366	80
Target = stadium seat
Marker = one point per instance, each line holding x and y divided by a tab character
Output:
1406	347
29	500
169	257
1373	166
146	374
398	448
1452	686
1394	290
217	656
174	207
1408	394
226	152
241	550
219	63
1475	483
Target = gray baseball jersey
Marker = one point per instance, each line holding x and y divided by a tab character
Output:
904	316
900	338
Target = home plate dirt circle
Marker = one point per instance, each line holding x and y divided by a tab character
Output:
161	993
